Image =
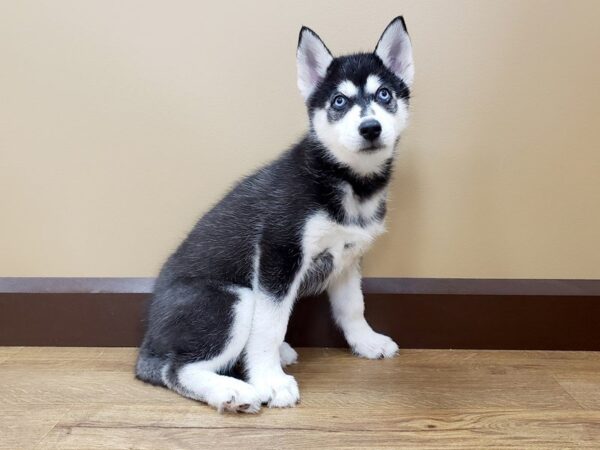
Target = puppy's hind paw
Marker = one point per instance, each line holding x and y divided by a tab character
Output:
287	355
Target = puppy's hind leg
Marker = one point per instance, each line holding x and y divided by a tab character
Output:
198	381
199	378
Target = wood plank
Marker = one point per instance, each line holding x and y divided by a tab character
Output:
74	398
359	383
584	387
151	428
7	352
22	427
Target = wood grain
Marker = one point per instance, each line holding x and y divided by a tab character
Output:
75	398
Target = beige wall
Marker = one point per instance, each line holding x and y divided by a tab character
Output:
122	121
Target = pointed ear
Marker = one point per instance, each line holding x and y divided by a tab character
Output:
312	59
395	50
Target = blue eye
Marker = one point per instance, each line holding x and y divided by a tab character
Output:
384	95
339	102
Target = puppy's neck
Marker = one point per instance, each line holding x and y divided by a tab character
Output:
325	168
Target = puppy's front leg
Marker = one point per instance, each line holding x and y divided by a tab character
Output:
348	308
263	362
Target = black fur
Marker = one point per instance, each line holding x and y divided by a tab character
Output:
319	271
357	69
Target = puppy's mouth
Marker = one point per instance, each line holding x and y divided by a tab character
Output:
371	148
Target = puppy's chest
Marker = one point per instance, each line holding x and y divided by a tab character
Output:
329	246
349	239
324	235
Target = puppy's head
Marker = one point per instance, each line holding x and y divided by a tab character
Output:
358	104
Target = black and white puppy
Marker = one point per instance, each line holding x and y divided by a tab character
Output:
295	227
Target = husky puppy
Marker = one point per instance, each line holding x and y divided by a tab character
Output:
295	227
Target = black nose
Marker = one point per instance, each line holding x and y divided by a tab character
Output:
370	129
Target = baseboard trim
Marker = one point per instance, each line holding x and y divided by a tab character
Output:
417	312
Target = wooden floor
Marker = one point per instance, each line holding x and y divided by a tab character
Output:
79	398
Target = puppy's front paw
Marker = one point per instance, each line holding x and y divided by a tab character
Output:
277	390
374	346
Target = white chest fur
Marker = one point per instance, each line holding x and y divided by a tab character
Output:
344	242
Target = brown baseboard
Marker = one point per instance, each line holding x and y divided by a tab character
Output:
416	312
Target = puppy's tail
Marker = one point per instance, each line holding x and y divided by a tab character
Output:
149	368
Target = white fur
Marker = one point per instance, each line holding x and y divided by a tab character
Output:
200	379
344	141
372	84
357	209
322	233
221	392
271	315
347	305
312	60
392	125
287	355
348	88
263	361
395	50
342	137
